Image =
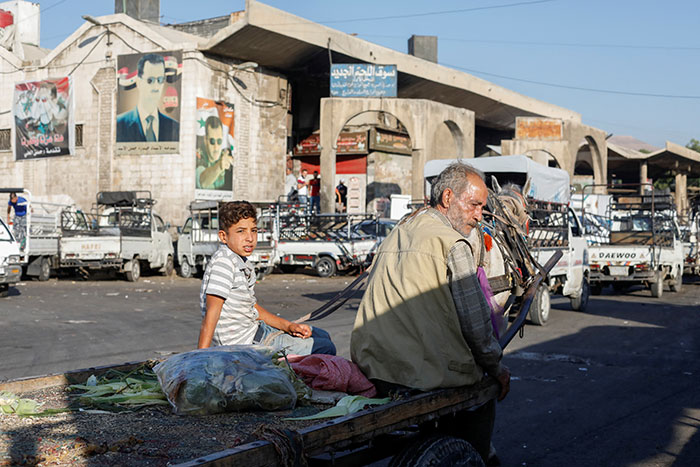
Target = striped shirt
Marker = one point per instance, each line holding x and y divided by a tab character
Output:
232	278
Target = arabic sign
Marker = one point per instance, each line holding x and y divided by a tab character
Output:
215	149
363	80
347	143
148	103
535	128
43	112
387	141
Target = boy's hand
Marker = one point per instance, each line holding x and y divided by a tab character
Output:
299	330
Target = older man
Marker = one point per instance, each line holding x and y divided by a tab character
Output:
423	322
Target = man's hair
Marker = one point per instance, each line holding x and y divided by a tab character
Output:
212	122
455	177
233	211
150	58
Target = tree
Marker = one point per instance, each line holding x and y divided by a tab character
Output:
693	144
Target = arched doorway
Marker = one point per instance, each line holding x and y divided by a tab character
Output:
584	170
373	160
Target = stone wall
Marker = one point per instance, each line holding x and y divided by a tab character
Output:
260	126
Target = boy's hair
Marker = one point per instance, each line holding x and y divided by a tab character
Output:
233	211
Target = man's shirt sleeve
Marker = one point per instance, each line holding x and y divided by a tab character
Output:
473	311
221	278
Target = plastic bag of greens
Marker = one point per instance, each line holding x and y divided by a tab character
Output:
225	379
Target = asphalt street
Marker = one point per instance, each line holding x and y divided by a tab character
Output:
616	385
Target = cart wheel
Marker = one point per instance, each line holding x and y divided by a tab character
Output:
325	267
581	302
185	269
677	283
657	287
438	451
288	268
4	290
133	270
169	266
44	269
539	310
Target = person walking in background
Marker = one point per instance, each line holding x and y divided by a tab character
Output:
342	195
19	227
303	187
290	185
315	191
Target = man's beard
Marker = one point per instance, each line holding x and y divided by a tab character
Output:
458	223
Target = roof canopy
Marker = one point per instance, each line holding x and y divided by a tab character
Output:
282	41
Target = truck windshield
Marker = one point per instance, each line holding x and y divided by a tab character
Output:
5	235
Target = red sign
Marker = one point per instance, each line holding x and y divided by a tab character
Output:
347	143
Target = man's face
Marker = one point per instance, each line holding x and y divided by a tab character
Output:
13	198
464	211
151	85
304	173
241	237
213	142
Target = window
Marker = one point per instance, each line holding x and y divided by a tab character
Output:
160	225
78	135
5	139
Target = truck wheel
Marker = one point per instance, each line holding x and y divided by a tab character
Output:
657	287
44	269
581	302
4	290
539	309
169	266
133	270
185	269
325	267
438	451
677	284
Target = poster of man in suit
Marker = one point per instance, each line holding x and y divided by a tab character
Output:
148	103
215	149
43	115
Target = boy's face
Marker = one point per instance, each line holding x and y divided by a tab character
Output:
241	237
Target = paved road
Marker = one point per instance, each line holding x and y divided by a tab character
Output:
616	385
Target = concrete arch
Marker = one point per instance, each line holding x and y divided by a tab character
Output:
452	148
420	117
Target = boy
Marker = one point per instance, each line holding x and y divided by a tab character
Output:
230	313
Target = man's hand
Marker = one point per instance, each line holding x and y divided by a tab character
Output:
226	160
299	330
504	379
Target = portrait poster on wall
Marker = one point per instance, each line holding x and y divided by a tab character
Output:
215	149
148	103
43	112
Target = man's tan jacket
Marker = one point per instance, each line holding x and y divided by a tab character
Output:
407	330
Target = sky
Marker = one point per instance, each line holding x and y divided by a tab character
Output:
629	67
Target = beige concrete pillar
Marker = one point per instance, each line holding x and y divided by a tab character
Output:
643	175
681	193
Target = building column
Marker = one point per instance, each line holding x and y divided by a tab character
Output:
681	193
329	135
643	175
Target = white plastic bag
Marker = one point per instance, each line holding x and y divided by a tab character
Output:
225	379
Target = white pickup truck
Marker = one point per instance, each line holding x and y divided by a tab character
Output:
555	227
10	268
122	233
324	242
690	235
643	246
